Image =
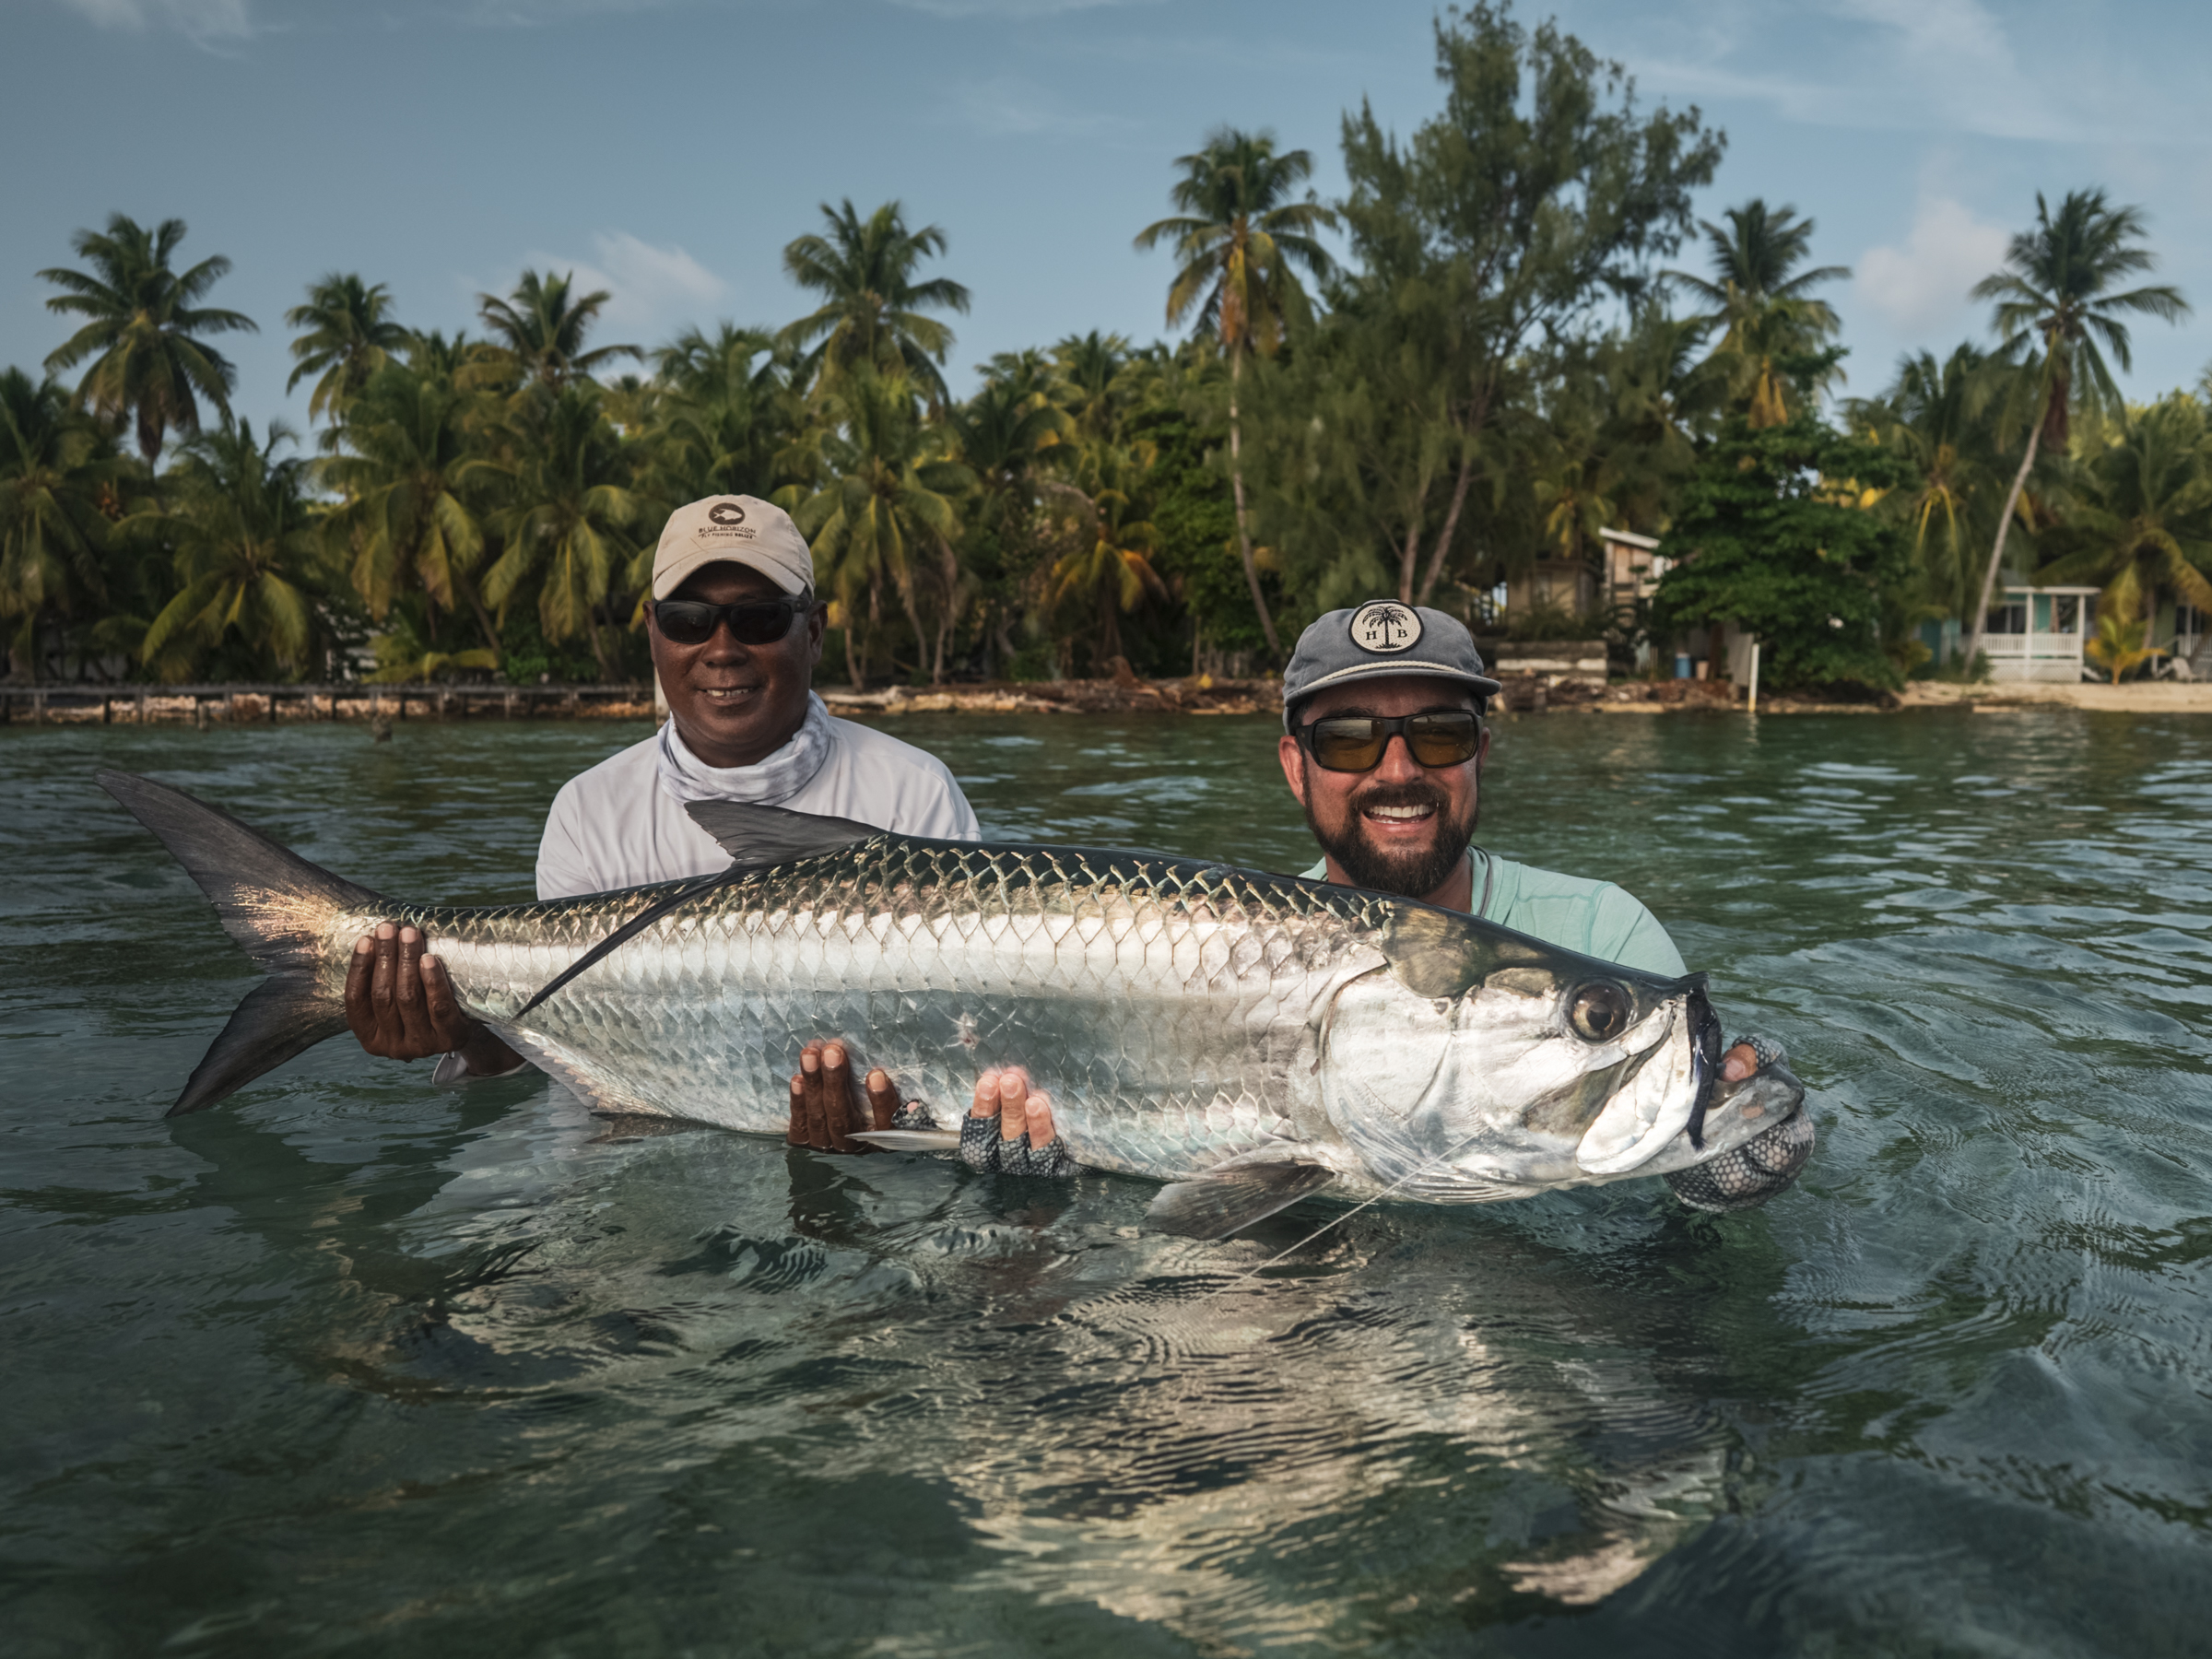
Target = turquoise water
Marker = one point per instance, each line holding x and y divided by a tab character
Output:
350	1365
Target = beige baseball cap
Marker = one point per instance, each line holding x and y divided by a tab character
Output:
742	529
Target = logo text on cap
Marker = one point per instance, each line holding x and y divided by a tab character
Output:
726	512
1384	627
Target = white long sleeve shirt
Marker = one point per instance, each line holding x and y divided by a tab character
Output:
615	827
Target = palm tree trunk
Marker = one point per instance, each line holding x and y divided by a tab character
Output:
1996	556
606	668
913	621
951	568
1476	416
1236	481
484	622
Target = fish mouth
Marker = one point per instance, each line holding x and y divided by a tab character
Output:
1704	1062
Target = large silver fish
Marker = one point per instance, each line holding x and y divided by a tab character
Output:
1249	1038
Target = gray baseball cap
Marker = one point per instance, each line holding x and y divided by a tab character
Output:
1383	636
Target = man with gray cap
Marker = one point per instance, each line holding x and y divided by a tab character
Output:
735	633
1383	746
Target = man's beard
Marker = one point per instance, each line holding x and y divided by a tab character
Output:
1411	874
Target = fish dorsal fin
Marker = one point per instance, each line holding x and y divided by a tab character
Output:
757	837
1222	1202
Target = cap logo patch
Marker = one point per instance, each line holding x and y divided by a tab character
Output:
1385	627
726	512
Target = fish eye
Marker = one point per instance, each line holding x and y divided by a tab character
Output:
1600	1010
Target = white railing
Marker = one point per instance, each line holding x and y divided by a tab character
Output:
2037	647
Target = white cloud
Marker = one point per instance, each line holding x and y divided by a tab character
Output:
656	290
1922	286
201	19
1946	65
1009	106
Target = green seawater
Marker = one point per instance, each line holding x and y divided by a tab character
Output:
352	1365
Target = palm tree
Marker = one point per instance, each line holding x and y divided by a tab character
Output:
347	336
1112	569
1092	388
242	529
725	413
571	514
1937	416
58	482
2139	514
1658	401
2117	646
145	330
889	501
1002	430
1770	316
539	330
2053	306
865	271
1237	237
408	468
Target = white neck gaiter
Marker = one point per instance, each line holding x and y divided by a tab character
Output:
767	783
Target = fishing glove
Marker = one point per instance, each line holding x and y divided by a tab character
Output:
1761	1167
982	1148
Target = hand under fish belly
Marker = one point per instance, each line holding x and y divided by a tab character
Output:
1247	1039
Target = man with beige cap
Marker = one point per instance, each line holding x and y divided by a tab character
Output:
735	633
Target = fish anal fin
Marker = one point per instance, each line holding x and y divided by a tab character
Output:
757	837
909	1140
1225	1201
563	1063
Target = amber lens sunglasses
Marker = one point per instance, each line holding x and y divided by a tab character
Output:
1354	743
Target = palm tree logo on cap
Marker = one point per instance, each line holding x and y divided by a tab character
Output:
1381	626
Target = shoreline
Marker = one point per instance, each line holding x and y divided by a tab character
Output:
1202	696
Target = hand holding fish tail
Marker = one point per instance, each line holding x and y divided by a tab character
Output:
1009	1130
401	1005
826	1109
1746	1057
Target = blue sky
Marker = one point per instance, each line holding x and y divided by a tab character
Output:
668	149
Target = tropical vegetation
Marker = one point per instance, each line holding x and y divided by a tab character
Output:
1510	335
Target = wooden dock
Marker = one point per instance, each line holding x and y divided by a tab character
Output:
267	705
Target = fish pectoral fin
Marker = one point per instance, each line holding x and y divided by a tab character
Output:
758	836
1226	1201
909	1140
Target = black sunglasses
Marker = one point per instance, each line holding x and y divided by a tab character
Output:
1355	743
753	622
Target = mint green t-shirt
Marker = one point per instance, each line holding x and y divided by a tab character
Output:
1573	912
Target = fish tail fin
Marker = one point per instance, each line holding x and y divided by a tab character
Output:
277	906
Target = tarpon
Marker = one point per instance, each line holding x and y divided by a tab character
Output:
1249	1039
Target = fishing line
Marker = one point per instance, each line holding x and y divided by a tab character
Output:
1418	1170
